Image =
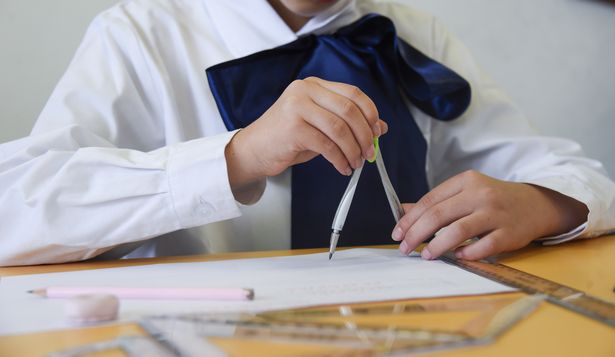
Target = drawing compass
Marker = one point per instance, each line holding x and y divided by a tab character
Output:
344	206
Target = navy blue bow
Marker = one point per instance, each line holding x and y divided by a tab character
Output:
369	55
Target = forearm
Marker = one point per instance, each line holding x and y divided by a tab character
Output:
74	204
560	213
247	183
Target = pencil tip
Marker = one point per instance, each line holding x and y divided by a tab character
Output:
330	255
40	292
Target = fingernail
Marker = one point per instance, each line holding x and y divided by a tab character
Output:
348	171
370	153
397	234
376	129
403	247
459	254
426	254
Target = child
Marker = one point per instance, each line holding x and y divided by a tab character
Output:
131	155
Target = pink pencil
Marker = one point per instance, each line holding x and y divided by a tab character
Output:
149	293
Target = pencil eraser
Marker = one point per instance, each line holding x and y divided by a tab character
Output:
91	309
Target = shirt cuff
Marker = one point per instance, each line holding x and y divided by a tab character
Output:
198	181
565	237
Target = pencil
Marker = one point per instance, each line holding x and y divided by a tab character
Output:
149	293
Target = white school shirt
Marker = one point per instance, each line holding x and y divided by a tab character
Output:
129	150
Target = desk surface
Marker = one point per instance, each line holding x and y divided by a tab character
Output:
587	265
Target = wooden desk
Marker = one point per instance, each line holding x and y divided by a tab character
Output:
587	265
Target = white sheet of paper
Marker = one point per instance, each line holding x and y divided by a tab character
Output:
354	275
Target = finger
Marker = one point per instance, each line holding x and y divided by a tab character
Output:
453	235
493	243
445	190
384	127
319	143
407	206
337	130
398	233
434	218
347	110
365	104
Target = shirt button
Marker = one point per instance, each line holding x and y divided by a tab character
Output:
204	208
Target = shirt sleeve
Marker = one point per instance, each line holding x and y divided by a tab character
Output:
96	171
493	137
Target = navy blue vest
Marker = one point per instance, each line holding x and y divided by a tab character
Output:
369	55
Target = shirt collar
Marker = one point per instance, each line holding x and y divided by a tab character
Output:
249	26
342	13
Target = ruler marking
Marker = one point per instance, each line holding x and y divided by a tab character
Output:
561	295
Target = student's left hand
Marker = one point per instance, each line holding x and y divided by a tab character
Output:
504	215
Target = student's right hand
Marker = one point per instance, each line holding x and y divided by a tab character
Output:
312	117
